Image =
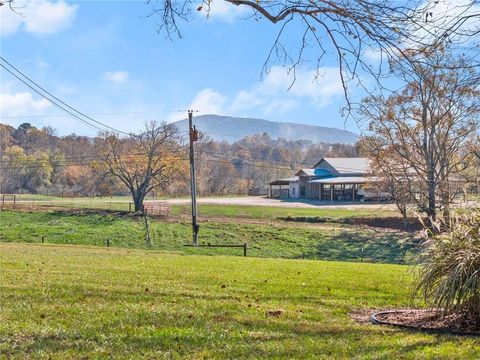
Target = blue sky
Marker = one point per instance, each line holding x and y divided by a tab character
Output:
106	57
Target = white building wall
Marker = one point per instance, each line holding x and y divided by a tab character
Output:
293	190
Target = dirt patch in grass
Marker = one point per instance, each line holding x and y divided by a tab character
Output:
387	222
422	320
396	223
362	316
67	211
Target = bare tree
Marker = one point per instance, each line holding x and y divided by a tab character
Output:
350	29
143	162
396	176
427	124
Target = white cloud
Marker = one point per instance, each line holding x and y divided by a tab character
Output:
222	11
207	101
434	20
37	17
21	104
374	55
9	21
116	77
272	95
442	15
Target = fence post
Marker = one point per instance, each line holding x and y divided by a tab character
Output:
43	239
245	249
108	242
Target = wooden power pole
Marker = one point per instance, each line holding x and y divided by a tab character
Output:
193	184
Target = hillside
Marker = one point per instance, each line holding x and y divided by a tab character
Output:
232	129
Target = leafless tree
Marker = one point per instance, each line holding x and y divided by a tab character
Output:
425	126
350	29
143	162
396	176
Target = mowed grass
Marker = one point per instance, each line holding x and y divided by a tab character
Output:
73	302
276	212
325	242
121	203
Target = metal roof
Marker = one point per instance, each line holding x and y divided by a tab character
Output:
294	178
345	180
309	172
285	181
348	165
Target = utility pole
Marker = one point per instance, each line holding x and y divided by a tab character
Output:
193	183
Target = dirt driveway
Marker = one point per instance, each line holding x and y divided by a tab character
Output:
290	203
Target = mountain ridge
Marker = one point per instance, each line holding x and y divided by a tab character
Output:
232	129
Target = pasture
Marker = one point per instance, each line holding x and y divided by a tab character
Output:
326	241
246	208
70	302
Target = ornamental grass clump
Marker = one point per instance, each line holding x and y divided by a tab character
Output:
449	276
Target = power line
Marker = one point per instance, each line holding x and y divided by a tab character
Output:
90	114
56	102
235	157
34	164
240	157
270	163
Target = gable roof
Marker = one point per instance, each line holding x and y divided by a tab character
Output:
307	172
347	165
346	180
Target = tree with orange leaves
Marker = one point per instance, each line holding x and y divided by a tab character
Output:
143	162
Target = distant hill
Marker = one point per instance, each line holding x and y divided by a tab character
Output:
232	129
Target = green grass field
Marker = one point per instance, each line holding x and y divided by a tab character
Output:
324	242
273	213
76	302
120	203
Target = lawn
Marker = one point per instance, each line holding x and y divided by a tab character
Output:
71	302
274	213
324	242
121	203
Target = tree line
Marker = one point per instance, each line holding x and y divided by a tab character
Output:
37	160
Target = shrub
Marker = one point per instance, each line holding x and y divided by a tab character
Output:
449	276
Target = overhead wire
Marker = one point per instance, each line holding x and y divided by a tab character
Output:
270	163
33	165
91	158
52	102
72	112
90	114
